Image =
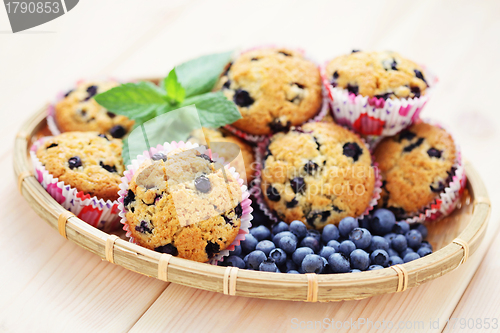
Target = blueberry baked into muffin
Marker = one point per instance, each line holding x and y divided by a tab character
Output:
273	88
78	111
218	139
181	204
88	161
317	174
377	74
416	166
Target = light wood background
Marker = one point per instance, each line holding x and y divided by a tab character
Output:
48	284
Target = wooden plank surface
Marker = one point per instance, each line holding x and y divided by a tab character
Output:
49	284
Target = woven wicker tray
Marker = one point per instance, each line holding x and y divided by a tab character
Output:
454	239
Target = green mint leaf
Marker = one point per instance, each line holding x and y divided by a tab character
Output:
175	91
199	75
134	100
214	108
125	153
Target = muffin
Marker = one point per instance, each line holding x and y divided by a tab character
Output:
238	152
317	174
273	88
183	204
78	111
416	166
376	93
87	161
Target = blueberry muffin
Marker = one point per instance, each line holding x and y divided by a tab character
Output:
273	88
78	111
318	174
88	161
183	204
416	166
377	74
218	139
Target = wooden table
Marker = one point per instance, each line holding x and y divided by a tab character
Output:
49	284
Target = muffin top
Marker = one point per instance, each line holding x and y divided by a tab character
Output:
273	88
237	152
78	111
88	161
377	74
318	174
182	203
416	165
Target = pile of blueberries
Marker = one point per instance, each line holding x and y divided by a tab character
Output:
374	242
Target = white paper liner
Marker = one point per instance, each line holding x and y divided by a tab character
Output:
256	190
448	199
96	212
246	217
375	116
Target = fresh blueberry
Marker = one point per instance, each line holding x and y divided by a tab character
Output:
401	228
268	265
379	257
375	267
426	244
261	232
234	261
313	263
298	228
298	185
359	259
74	162
346	247
255	258
339	263
117	131
288	244
279	227
159	156
202	184
242	98
423	251
379	242
360	237
278	255
265	246
245	259
382	222
330	232
354	270
279	236
335	244
292	271
310	242
399	243
249	243
273	194
414	239
410	257
389	237
326	251
346	225
300	253
289	265
353	150
392	252
315	234
395	260
405	252
422	229
236	251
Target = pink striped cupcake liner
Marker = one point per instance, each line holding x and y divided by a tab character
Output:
96	212
246	217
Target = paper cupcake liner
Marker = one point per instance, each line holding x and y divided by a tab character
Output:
319	116
449	198
167	147
375	116
96	212
258	195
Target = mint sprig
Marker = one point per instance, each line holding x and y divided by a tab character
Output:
188	84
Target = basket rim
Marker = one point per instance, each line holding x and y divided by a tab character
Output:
283	286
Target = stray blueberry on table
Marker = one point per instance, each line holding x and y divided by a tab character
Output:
273	194
375	267
379	257
327	251
310	242
242	98
379	243
279	227
202	184
255	258
168	249
414	238
74	162
143	228
298	228
117	131
265	246
330	232
159	156
339	263
399	243
268	265
278	255
410	257
352	149
313	263
359	259
360	237
249	243
346	225
298	185
401	228
395	260
300	254
346	247
261	232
